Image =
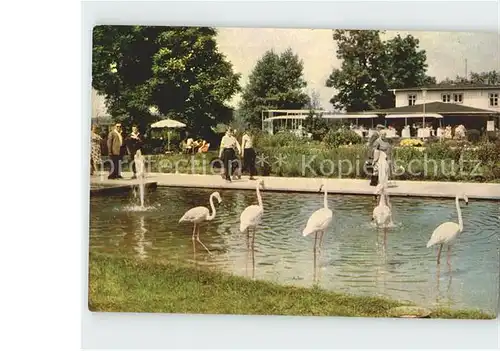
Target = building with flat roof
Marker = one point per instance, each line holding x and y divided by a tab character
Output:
470	104
484	97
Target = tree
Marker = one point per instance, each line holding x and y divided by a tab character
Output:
481	78
407	64
314	102
238	121
370	67
485	78
359	81
179	70
276	82
429	81
314	122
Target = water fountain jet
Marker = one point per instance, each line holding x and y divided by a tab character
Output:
139	166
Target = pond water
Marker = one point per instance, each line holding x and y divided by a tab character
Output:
353	258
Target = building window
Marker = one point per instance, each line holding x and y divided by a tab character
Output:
458	98
412	99
494	99
446	97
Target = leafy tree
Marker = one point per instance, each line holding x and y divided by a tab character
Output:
370	67
238	121
179	70
407	64
276	82
481	78
486	78
457	80
359	82
314	102
428	81
314	123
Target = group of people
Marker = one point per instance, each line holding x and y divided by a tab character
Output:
193	146
230	148
230	153
117	146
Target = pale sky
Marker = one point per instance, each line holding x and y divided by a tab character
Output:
446	52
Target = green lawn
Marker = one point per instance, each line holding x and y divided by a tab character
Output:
118	284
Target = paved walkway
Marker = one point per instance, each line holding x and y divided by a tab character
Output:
485	191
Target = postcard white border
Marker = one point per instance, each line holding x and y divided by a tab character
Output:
144	331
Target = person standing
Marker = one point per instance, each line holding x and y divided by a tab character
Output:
237	162
115	143
382	159
95	150
134	143
227	153
248	154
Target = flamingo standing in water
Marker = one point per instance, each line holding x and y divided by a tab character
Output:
250	218
317	224
199	214
447	232
382	214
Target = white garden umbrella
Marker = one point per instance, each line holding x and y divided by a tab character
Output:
168	123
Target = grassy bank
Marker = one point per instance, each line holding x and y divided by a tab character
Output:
118	284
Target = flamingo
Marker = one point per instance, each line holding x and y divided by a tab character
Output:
199	214
382	214
251	217
318	223
446	232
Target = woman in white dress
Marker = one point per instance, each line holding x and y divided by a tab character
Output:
381	158
95	154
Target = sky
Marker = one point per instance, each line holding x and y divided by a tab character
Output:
446	52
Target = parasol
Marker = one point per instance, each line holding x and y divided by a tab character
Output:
168	123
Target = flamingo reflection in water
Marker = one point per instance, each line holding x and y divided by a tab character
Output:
382	267
197	215
250	218
382	213
438	283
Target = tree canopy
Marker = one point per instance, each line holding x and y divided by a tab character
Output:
179	70
371	66
314	123
276	82
474	78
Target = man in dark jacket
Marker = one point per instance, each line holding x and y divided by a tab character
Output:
115	143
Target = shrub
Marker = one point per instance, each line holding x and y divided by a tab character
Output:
317	126
439	151
493	136
473	135
451	143
279	139
336	138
